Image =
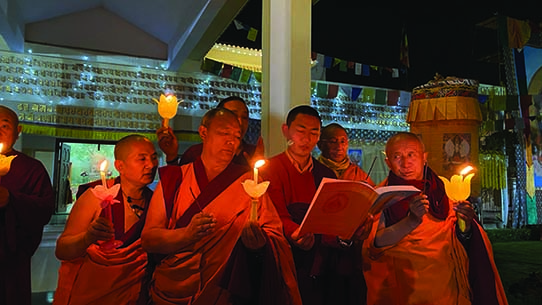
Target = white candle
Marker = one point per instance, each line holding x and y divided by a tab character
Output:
257	165
103	167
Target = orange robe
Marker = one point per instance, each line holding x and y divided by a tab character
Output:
117	276
355	173
428	266
193	275
100	277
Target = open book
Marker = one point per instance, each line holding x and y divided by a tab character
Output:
339	207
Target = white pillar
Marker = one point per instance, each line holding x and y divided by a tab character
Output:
286	52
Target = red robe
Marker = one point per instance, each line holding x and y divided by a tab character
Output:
327	273
31	204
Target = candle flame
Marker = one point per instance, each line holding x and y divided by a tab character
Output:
1	147
103	165
259	163
466	170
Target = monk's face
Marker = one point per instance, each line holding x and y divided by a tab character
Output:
335	146
9	129
406	158
302	135
139	163
241	111
221	138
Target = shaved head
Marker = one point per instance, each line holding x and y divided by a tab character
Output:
216	113
124	145
401	136
10	113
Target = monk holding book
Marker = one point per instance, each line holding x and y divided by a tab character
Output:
417	254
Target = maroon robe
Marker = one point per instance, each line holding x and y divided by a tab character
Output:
31	204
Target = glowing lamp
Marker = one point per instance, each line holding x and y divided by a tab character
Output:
458	189
167	107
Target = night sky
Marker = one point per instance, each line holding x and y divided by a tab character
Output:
441	39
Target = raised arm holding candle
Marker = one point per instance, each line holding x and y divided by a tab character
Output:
167	107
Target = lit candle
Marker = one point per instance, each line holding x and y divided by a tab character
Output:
257	165
103	167
458	189
167	106
5	162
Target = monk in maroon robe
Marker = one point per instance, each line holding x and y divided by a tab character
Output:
208	250
26	204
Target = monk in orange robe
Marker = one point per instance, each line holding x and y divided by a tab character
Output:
417	254
207	250
333	144
92	270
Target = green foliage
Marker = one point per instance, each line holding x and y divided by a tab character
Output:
508	235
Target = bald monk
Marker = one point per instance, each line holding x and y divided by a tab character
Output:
333	144
246	154
417	254
90	273
199	221
27	202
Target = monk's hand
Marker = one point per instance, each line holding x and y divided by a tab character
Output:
100	228
167	141
4	197
465	210
418	206
305	242
364	229
201	225
253	236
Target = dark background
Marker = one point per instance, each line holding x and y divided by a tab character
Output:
443	38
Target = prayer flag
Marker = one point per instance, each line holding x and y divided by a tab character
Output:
357	70
321	90
252	34
332	91
356	91
403	51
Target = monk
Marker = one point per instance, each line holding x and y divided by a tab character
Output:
417	254
295	176
246	154
27	202
334	147
211	253
93	270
